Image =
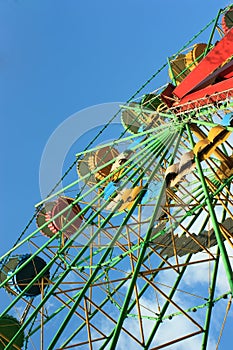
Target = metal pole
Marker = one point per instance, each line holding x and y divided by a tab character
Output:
215	223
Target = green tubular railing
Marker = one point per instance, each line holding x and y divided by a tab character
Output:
217	231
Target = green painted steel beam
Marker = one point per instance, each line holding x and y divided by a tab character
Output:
212	32
104	302
210	303
167	303
212	290
88	283
156	129
212	125
171	71
215	223
116	332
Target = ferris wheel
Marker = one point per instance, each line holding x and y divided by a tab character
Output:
141	253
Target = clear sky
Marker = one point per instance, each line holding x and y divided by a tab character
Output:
58	57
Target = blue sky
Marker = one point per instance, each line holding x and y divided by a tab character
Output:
58	57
